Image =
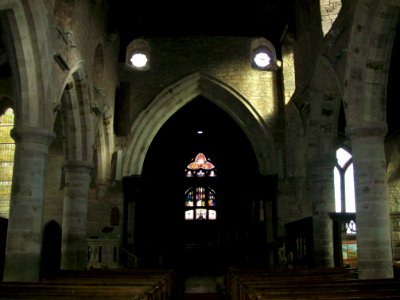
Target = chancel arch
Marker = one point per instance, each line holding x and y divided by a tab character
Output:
235	198
171	99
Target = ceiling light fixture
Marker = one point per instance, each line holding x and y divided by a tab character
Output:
263	55
262	58
138	55
139	60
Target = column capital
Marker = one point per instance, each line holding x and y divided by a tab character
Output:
75	165
33	135
367	129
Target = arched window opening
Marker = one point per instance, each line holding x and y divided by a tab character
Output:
200	199
7	149
346	231
344	182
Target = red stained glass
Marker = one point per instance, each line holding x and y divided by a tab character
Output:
200	162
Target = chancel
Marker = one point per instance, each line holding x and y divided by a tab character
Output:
218	150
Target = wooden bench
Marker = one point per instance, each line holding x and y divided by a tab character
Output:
132	284
325	290
307	284
19	290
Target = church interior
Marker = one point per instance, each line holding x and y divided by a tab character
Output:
200	161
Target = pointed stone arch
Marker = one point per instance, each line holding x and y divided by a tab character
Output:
325	98
368	62
104	145
102	117
76	117
29	50
295	137
171	99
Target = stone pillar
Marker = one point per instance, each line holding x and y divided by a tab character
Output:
24	236
321	189
74	249
372	201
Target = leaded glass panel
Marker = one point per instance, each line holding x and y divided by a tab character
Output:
212	214
200	197
201	214
7	149
189	215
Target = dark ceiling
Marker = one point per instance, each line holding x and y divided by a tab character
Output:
251	18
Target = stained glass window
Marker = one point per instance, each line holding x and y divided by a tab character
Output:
7	149
200	199
200	167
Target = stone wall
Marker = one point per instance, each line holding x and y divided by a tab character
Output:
226	59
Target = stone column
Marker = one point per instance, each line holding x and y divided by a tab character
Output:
321	189
74	255
372	201
24	236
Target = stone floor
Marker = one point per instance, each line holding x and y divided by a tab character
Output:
202	286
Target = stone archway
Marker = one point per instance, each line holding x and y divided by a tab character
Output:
29	49
177	95
143	132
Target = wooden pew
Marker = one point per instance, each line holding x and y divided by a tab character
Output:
98	284
326	290
327	283
37	290
238	280
163	280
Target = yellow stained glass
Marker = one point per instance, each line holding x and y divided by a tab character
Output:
7	149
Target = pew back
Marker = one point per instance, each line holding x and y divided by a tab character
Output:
327	283
100	284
